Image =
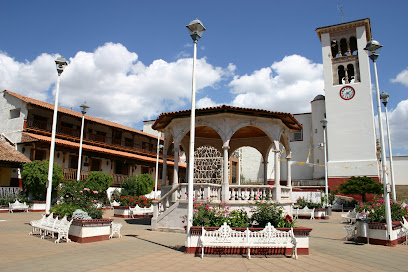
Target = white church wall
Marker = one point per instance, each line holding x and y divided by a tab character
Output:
400	169
302	150
12	114
251	165
318	113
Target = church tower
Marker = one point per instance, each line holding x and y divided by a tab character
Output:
351	139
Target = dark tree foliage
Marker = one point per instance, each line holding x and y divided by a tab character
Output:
361	186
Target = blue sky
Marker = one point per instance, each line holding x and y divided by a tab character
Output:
131	60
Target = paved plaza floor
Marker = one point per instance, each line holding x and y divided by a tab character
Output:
141	249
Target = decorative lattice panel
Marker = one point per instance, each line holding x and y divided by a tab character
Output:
207	165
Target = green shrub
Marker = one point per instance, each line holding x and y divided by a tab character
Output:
137	185
304	203
238	218
361	186
64	209
35	175
5	200
98	181
265	212
75	194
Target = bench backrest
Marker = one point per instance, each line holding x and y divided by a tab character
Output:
224	235
270	235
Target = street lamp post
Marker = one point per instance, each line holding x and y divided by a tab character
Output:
373	49
196	30
61	63
84	108
326	183
384	98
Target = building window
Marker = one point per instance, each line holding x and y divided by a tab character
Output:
15	113
296	136
145	169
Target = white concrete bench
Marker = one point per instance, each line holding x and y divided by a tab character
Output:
404	227
304	212
18	206
141	211
269	237
48	225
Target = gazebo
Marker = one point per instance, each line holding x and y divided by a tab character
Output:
226	129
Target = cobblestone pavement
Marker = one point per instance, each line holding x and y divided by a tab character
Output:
144	250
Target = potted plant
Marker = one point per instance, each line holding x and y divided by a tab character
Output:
85	195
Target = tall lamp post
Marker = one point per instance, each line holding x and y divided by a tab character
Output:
373	48
84	108
326	183
61	63
196	30
384	99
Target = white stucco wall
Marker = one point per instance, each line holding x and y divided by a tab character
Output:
400	168
11	127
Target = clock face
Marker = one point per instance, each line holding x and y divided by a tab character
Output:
347	92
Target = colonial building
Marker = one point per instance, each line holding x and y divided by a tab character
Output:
107	146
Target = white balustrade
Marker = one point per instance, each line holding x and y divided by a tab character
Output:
9	191
244	193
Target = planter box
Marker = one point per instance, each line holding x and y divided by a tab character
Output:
88	231
320	213
122	211
377	234
301	234
37	206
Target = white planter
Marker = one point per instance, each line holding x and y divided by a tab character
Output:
121	211
37	206
88	231
377	234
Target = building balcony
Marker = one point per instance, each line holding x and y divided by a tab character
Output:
65	132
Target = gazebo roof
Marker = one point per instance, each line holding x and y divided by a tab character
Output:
288	119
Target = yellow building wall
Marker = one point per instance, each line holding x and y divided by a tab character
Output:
5	176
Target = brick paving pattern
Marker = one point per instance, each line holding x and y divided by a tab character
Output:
143	250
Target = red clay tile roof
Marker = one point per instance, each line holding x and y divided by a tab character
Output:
27	138
76	114
9	154
288	119
100	149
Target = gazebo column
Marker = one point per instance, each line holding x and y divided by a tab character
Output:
289	175
225	183
265	162
164	173
277	175
175	172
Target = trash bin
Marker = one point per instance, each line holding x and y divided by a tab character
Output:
328	210
362	229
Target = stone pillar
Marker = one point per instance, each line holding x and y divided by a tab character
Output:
289	177
164	173
277	175
225	181
265	162
175	172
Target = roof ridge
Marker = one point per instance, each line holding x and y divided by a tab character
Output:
76	114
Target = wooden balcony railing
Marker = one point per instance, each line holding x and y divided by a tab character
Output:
71	174
93	138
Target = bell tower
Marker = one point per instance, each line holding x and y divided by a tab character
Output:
351	139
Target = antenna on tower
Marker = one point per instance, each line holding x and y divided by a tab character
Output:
340	9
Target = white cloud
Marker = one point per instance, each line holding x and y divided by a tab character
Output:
205	102
402	78
113	82
399	125
288	85
29	78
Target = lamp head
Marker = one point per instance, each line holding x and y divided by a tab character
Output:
61	63
324	122
84	107
373	47
384	98
196	29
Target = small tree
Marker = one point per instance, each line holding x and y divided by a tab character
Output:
137	185
98	181
35	175
361	186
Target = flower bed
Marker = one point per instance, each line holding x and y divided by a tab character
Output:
377	234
